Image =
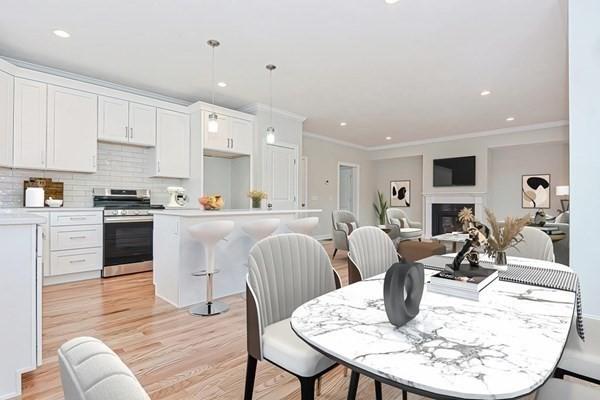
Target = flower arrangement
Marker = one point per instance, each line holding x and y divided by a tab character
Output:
466	218
505	236
212	202
257	196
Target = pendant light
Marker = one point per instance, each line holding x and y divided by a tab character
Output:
270	138
213	118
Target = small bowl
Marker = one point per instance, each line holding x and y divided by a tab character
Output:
53	203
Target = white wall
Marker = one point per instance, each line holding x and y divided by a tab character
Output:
323	157
584	116
396	169
508	164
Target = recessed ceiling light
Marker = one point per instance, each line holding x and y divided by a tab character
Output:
391	1
343	123
222	84
61	33
486	93
388	138
510	119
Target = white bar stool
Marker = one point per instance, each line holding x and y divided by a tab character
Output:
260	229
305	226
209	234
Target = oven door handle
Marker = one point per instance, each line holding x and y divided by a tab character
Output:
118	220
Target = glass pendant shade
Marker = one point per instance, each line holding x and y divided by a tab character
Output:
270	135
213	123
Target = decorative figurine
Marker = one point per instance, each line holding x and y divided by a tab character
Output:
478	236
402	291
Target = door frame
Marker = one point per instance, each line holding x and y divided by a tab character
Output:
356	181
296	150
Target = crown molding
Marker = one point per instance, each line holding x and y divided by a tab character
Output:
255	107
336	141
472	135
93	81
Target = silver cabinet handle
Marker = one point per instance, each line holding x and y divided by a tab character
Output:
42	157
76	218
158	166
77	261
130	133
127	132
77	237
232	143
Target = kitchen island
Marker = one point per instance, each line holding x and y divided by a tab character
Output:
177	255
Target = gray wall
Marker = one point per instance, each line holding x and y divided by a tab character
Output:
508	164
396	169
323	157
119	166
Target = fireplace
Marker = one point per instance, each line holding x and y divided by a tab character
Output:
444	217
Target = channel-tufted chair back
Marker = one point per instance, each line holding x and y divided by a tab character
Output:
372	251
286	271
536	244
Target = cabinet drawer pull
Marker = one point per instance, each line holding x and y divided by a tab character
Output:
78	260
77	237
77	218
127	132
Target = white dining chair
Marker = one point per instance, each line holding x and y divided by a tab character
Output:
558	389
372	252
90	370
535	244
284	272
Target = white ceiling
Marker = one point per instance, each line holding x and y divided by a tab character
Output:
412	71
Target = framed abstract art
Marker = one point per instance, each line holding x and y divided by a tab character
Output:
400	194
535	191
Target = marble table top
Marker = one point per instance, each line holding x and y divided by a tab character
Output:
501	347
452	237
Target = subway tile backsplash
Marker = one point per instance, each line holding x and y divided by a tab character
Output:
119	166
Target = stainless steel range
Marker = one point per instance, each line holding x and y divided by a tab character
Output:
128	230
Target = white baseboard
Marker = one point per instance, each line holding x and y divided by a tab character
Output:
80	276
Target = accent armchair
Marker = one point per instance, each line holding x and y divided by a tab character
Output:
404	228
343	223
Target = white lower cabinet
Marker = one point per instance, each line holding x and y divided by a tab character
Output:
74	261
75	237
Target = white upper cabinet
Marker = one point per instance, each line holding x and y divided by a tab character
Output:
113	120
172	152
241	136
142	124
120	121
234	135
72	130
29	124
6	119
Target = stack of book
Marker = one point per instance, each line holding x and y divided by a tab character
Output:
467	282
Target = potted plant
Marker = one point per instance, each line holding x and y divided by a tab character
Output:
257	196
501	238
381	207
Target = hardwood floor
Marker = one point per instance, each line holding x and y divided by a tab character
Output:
174	355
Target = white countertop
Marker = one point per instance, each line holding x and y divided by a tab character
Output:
44	209
197	212
15	218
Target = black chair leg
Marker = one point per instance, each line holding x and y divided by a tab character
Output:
559	373
404	395
378	394
334	253
307	388
250	375
352	389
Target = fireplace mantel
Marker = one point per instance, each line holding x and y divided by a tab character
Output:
477	198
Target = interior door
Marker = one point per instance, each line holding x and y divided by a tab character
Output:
30	124
142	124
346	194
113	119
282	177
72	129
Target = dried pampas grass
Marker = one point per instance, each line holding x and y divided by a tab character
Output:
506	236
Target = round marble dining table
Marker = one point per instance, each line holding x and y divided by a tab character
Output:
504	346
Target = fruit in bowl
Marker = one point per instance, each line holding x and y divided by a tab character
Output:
214	202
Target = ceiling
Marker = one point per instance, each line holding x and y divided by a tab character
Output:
412	71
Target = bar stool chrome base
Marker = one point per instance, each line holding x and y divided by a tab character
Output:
208	309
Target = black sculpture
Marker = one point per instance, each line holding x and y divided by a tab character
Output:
478	234
402	291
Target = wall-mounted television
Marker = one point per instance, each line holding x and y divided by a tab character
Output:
458	171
